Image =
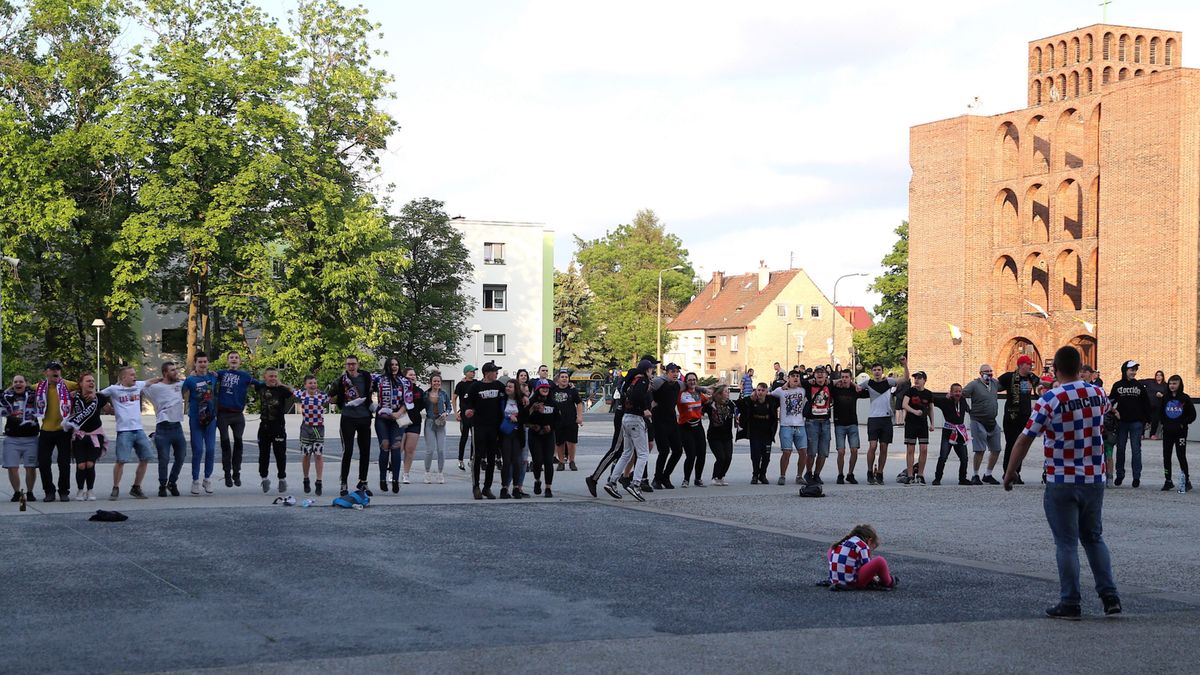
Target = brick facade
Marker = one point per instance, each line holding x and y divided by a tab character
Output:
1086	204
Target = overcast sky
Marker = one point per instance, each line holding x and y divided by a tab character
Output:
754	129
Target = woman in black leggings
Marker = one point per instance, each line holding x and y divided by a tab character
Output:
721	413
541	417
512	439
1177	412
690	408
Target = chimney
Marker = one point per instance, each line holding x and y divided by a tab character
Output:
718	280
764	275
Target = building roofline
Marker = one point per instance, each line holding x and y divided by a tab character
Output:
1104	25
507	223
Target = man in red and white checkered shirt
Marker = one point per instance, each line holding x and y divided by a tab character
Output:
1070	417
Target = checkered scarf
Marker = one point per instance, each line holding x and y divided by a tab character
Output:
64	398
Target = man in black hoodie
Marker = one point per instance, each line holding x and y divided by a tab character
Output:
351	391
485	409
1131	405
635	429
617	447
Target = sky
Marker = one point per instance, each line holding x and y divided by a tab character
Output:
756	130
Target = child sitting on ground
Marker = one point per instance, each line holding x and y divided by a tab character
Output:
851	565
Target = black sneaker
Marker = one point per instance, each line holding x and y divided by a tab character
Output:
1168	486
645	486
16	497
136	492
635	492
612	490
1112	604
573	467
815	478
870	478
237	480
667	484
318	488
1066	612
228	480
162	489
920	479
65	495
383	485
395	487
879	478
841	480
344	491
30	497
964	481
504	493
990	480
591	485
49	497
976	481
173	489
851	479
657	484
1018	480
1137	482
562	467
549	493
1119	480
307	486
937	481
487	492
623	480
476	492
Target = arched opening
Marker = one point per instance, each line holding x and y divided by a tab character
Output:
1089	46
1062	53
1091	225
1106	51
1035	61
1037	229
1007	291
1155	48
1139	72
1121	46
1139	47
1070	280
1036	93
1069	140
1069	205
1124	74
1073	84
1091	140
1086	344
1052	92
1087	72
1004	219
1038	130
1089	280
1169	52
1016	348
1008	153
1050	56
1075	49
1037	280
1108	75
1062	86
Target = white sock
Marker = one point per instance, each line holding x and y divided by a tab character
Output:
987	472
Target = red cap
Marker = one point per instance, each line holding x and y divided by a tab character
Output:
1023	359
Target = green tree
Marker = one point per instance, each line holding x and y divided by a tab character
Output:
433	288
621	271
582	345
887	340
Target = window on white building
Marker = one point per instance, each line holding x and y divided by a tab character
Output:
733	343
493	253
799	311
781	310
723	340
493	344
816	312
495	297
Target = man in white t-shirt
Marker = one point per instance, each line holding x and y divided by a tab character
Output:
167	398
792	435
132	443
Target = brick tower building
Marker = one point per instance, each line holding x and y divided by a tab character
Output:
1073	221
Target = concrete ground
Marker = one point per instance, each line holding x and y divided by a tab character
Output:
694	580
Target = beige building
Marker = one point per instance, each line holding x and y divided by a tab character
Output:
752	321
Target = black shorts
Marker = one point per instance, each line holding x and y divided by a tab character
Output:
83	450
566	433
916	433
879	429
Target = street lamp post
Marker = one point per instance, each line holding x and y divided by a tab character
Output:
13	263
98	324
787	335
475	329
658	327
833	319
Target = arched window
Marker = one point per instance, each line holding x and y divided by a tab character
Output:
1037	230
1007	290
1037	92
1092	226
1121	47
1088	76
1037	139
1004	220
1037	277
1008	152
1037	59
1062	86
1139	72
1075	49
1074	84
1108	75
1139	46
1050	56
1062	51
1088	43
1155	47
1069	205
1169	54
1124	74
1106	50
1069	267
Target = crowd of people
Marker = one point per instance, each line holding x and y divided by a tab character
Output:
520	425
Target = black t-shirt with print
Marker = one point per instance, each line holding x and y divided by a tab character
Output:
487	400
565	399
845	404
274	401
818	403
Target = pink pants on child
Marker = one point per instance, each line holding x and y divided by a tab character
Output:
875	567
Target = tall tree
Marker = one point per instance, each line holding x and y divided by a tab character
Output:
621	270
432	287
582	340
887	340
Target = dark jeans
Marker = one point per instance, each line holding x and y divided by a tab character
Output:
1175	441
667	437
464	437
1131	431
487	446
272	439
512	448
541	455
231	455
350	428
1012	431
694	446
48	442
722	450
960	449
1074	512
168	440
760	456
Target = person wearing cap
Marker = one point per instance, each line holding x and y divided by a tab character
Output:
18	408
459	403
635	431
53	401
485	410
1131	405
1020	389
918	422
665	391
542	419
617	447
570	418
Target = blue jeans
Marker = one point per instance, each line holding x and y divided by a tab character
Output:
1133	432
168	436
391	447
204	440
1074	514
818	437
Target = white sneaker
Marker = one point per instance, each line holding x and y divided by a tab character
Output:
428	478
207	485
404	478
441	478
91	495
195	487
